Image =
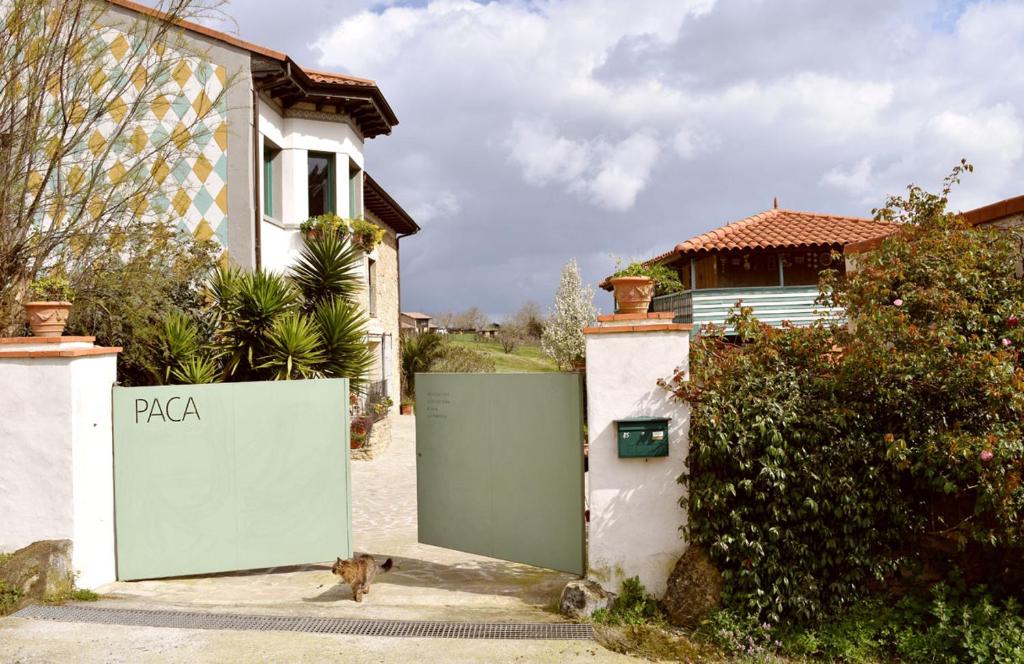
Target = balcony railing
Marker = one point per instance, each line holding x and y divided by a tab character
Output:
374	392
771	305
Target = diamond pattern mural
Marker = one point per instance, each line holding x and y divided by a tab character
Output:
195	177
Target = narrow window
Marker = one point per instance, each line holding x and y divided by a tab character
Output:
371	286
270	175
355	191
321	183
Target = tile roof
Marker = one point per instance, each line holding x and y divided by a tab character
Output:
782	229
416	315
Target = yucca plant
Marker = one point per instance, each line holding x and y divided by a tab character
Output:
328	266
267	326
345	353
293	348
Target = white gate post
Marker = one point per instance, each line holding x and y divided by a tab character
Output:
635	513
56	449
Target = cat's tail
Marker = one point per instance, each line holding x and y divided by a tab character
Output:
387	565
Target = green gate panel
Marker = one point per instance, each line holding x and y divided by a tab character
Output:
215	478
499	467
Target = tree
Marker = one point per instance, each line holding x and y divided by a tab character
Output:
529	320
573	310
510	336
472	319
85	161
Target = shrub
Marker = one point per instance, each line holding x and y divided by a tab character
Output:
823	459
666	280
459	359
573	310
945	625
52	288
632	606
266	326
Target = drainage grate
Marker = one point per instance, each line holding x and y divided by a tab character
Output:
319	625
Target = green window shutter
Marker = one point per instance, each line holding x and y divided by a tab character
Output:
268	183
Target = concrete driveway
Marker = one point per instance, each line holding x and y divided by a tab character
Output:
427	583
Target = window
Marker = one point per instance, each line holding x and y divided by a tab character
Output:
371	286
355	191
271	175
321	183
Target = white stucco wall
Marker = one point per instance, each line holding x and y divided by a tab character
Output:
56	453
635	514
297	137
92	455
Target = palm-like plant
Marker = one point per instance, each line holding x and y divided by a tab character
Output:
419	352
266	326
341	326
328	266
293	348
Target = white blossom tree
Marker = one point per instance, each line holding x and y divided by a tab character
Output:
572	311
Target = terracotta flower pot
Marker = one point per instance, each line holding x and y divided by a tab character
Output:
47	319
406	409
633	294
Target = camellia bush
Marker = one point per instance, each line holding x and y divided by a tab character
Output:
831	460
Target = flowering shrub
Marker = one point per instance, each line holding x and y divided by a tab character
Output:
826	458
573	310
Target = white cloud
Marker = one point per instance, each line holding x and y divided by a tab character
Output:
678	115
608	174
856	180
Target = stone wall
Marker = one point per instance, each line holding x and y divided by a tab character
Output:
386	319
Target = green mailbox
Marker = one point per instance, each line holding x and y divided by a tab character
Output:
642	437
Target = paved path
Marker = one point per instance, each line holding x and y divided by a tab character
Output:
427	583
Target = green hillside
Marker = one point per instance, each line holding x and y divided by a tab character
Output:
523	359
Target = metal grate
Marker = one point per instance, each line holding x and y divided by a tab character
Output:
319	625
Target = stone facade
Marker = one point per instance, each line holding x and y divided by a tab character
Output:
384	321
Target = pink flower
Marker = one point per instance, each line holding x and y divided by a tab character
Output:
1007	342
897	302
1013	321
986	455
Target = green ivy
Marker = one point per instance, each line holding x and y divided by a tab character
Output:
824	459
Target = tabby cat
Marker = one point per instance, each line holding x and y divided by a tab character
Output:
359	572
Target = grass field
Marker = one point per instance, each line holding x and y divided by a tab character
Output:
523	359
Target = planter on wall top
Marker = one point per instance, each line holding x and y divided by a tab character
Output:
47	319
633	294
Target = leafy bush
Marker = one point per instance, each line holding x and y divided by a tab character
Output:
666	280
459	359
633	606
52	288
945	626
9	597
824	459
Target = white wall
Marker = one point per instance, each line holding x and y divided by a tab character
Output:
92	455
35	452
56	452
297	137
635	514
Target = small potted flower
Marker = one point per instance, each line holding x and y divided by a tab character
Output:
49	307
366	235
407	406
314	227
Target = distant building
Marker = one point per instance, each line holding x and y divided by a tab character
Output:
416	322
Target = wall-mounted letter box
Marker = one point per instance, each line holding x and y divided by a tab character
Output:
642	437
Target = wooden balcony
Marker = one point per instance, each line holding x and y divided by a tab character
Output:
771	305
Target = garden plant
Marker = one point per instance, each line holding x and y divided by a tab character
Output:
855	459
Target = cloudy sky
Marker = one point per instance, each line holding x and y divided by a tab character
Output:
537	131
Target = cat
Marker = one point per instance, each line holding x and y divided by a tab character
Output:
359	572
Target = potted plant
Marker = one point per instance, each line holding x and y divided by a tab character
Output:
365	234
360	432
636	285
49	307
633	290
407	406
314	227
